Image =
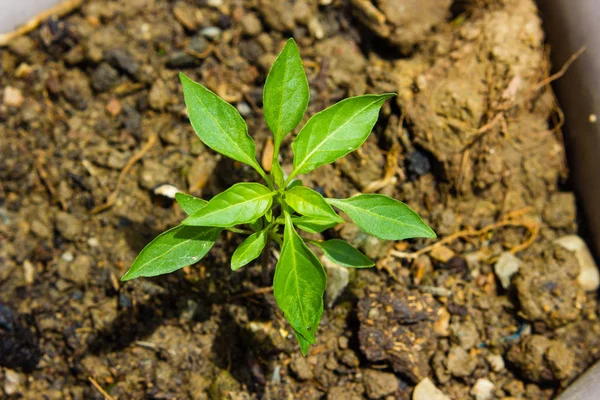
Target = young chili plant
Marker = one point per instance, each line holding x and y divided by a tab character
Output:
273	212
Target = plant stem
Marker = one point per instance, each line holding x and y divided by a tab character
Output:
276	237
289	179
265	261
242	231
264	175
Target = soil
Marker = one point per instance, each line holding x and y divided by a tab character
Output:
92	112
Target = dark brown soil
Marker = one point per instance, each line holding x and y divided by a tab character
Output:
470	144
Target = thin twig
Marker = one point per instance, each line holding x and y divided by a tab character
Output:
135	158
39	166
391	167
562	70
528	224
99	388
58	10
254	292
203	55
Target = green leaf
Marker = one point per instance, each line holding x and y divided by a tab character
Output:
336	131
294	183
304	344
286	93
218	124
314	224
190	204
269	215
257	225
172	250
249	250
342	253
242	203
384	217
310	203
299	284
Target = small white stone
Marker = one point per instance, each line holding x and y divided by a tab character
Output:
212	32
337	279
13	97
244	109
28	272
93	242
483	389
589	277
12	382
426	390
166	190
214	3
496	362
506	266
67	256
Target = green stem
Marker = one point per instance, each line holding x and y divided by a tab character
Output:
242	231
264	175
289	179
276	237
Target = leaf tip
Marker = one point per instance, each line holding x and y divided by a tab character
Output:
291	42
183	77
127	277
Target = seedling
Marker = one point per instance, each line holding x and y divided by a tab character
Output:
273	212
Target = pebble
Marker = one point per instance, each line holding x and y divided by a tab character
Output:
417	164
12	382
496	362
338	278
28	272
212	32
506	266
104	77
13	97
466	334
460	363
181	59
349	358
302	369
166	190
214	3
316	28
22	46
589	277
244	109
67	256
158	98
114	107
483	389
186	15
442	254
379	384
153	174
93	242
251	24
76	271
41	229
441	326
343	342
426	390
68	226
276	377
123	60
